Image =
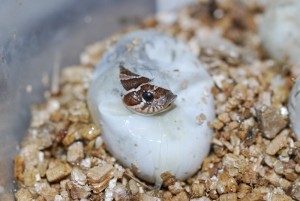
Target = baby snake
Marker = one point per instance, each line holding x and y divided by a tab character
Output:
141	96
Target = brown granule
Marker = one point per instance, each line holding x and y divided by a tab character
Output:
254	154
57	172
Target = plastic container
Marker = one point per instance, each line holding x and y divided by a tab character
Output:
35	36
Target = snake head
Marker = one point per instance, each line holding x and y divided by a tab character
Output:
142	97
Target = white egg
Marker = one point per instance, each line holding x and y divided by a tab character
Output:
279	30
294	107
176	140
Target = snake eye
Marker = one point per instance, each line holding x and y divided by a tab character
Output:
148	96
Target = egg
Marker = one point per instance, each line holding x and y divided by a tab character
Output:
279	30
170	135
294	107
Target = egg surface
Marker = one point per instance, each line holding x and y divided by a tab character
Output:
279	30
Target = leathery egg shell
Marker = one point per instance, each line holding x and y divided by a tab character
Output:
176	140
294	107
279	30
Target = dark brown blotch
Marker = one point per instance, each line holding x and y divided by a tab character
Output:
132	99
130	80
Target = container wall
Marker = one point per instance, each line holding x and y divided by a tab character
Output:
34	37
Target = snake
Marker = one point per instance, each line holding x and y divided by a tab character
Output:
141	96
